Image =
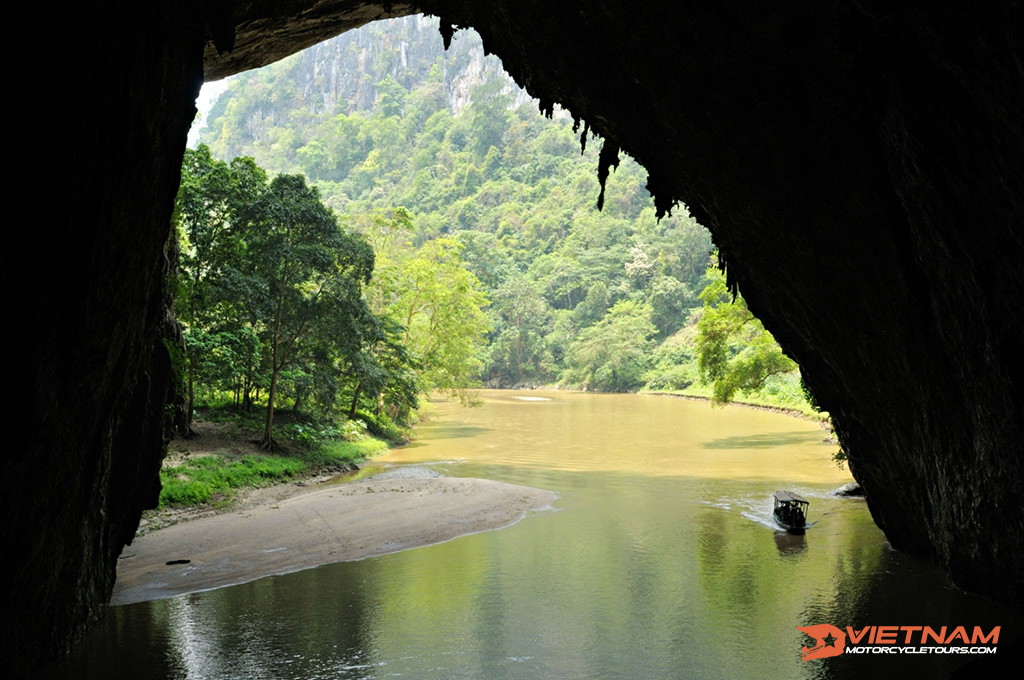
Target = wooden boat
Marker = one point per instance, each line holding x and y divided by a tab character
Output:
791	511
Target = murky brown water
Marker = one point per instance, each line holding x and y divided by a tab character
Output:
659	560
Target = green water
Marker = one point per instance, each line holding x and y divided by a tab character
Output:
658	560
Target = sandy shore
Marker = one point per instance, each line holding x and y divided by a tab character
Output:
337	523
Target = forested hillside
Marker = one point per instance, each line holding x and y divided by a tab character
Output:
492	261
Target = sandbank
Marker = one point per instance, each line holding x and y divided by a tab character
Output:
336	523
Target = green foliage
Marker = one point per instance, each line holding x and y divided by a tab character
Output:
735	352
340	452
309	276
391	96
271	297
523	317
212	198
381	426
507	185
614	354
674	363
313	446
432	296
499	268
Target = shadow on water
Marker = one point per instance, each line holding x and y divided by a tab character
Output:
892	589
447	432
763	441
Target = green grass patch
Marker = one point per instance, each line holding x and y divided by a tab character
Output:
341	452
305	447
213	480
210	479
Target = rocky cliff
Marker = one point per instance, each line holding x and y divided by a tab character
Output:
859	164
344	75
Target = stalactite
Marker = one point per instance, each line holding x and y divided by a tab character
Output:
447	29
608	159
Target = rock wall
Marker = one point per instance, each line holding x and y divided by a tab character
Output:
859	164
99	334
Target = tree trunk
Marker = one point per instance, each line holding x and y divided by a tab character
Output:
186	426
268	431
355	401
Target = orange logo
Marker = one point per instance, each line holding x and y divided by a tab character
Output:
828	641
831	641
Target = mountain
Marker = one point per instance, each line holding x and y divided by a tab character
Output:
344	75
383	118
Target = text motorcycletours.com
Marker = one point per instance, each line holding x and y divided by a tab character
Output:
921	650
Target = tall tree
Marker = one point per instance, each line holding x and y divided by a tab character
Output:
439	303
310	276
522	318
212	199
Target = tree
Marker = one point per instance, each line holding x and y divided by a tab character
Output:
509	185
390	96
518	352
439	304
670	300
734	351
614	354
212	198
309	276
385	374
490	116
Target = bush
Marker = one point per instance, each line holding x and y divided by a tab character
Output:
183	492
671	377
343	453
383	427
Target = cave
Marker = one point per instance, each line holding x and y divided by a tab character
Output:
860	166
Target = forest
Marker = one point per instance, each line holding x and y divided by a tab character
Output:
376	219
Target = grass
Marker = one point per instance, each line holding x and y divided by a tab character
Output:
305	450
213	479
341	452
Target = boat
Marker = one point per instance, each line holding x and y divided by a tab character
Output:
791	511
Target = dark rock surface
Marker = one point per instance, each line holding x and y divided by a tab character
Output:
861	166
99	334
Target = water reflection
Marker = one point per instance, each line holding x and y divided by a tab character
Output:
790	545
450	432
661	560
763	441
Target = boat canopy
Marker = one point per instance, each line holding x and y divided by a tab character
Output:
790	497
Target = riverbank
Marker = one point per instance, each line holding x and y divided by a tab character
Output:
704	394
820	417
222	469
331	523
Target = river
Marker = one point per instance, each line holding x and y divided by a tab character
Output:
659	560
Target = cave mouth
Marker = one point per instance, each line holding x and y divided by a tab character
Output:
860	168
838	263
837	155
